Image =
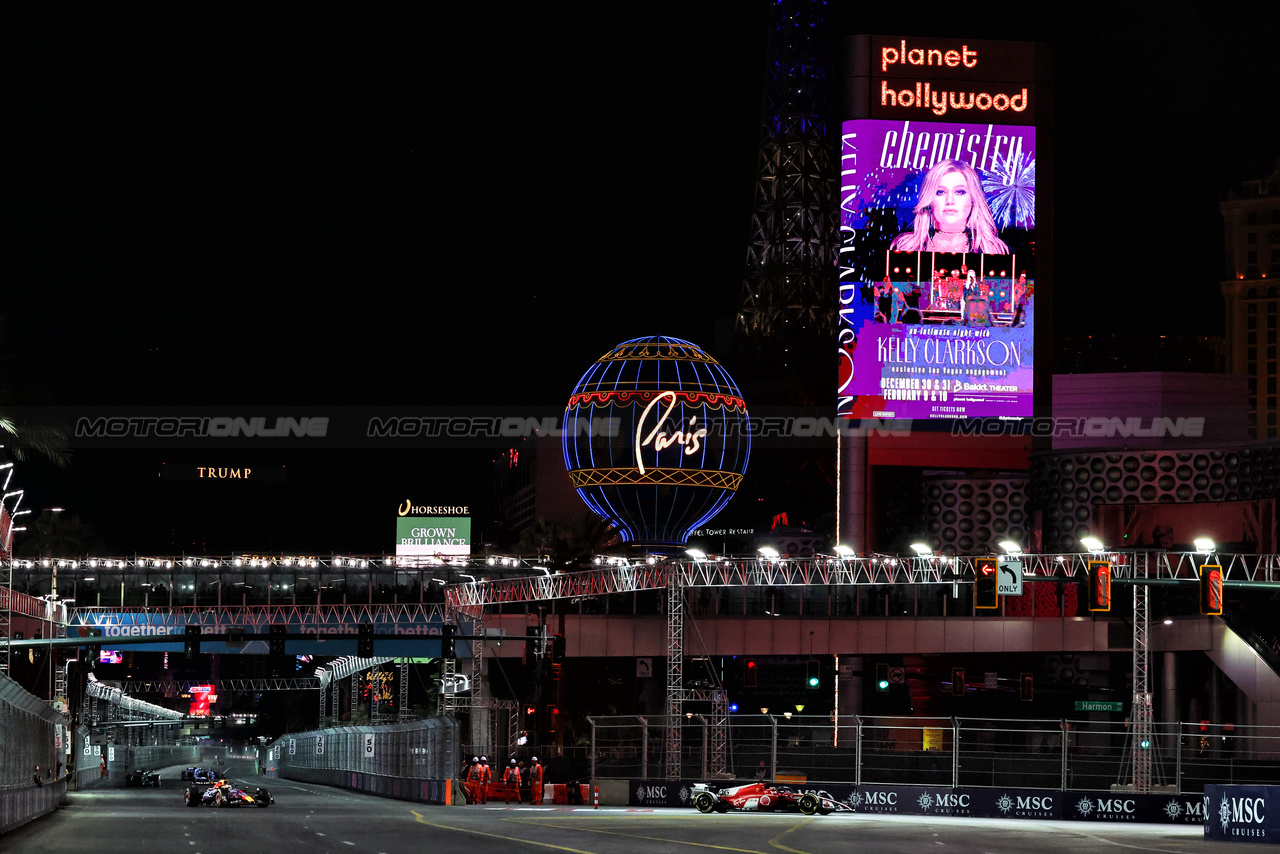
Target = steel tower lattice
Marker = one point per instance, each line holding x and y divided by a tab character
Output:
790	282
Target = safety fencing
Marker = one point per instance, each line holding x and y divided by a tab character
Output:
1077	755
412	761
29	750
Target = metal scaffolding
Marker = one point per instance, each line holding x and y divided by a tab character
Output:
675	673
1141	715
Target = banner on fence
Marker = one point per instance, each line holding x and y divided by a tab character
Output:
967	802
1242	813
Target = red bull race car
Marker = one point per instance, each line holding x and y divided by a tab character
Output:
765	797
223	794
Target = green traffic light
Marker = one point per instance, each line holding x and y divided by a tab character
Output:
884	684
813	681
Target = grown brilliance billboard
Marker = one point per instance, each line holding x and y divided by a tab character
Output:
937	270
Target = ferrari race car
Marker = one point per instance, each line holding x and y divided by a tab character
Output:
143	777
764	797
223	794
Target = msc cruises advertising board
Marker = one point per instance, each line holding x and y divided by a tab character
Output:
937	271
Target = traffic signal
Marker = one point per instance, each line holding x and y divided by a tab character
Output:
882	677
751	677
448	641
553	718
279	633
1099	585
986	583
1026	687
532	644
364	641
191	644
813	674
94	649
957	681
1211	590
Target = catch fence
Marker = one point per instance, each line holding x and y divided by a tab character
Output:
29	748
1083	755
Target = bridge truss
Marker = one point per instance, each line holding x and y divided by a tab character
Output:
676	575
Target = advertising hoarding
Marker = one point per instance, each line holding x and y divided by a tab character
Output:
937	276
443	536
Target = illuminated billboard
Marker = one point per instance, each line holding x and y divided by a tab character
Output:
937	276
201	698
433	536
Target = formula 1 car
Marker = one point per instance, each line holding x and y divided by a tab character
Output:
764	797
223	794
199	774
143	777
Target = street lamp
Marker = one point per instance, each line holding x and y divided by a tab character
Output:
1093	544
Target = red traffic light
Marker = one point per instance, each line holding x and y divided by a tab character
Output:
986	586
1211	590
1099	585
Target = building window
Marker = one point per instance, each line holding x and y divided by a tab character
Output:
1251	218
1271	367
1271	308
1275	216
1271	321
1253	386
1253	336
1271	385
1251	238
1251	353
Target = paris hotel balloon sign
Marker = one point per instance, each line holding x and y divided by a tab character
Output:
682	447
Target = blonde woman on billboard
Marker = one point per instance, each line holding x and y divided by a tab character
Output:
952	214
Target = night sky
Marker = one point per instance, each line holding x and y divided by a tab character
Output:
467	205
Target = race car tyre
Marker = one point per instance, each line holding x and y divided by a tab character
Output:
809	804
704	801
193	796
722	806
262	799
219	799
823	809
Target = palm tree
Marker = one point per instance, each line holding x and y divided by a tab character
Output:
22	438
55	534
571	545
